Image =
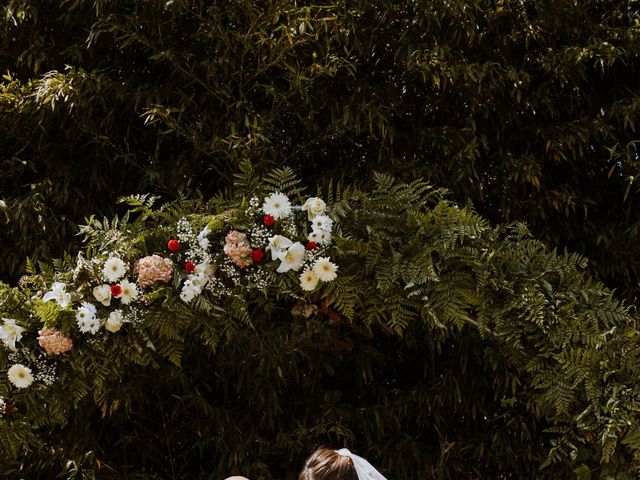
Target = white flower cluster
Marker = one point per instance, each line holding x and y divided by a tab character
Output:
254	206
113	270
258	279
294	255
198	244
46	372
196	281
3	405
259	235
231	272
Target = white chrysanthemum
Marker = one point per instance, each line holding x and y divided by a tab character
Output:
58	294
325	269
277	205
114	269
20	376
320	237
277	245
115	321
314	206
292	259
129	291
308	280
321	223
86	318
103	294
10	333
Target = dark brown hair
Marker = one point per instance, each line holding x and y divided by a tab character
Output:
326	464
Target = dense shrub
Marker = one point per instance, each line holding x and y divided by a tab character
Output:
444	349
527	109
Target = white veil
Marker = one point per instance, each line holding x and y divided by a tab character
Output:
364	469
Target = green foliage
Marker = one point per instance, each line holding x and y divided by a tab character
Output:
527	109
446	348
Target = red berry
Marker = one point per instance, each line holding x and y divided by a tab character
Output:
257	255
268	220
116	290
7	409
311	246
189	267
173	245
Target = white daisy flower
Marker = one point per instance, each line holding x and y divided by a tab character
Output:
292	259
115	321
277	205
325	269
114	269
129	291
20	376
10	333
308	280
89	325
314	206
58	294
86	318
277	245
103	294
321	223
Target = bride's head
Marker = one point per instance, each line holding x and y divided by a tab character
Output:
326	464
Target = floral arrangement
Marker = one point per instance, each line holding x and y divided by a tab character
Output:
245	251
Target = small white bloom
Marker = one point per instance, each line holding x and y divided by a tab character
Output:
292	259
320	237
314	206
190	291
198	280
20	376
103	294
277	245
277	205
115	321
89	325
86	318
129	291
58	294
10	333
321	223
114	269
203	241
308	280
325	269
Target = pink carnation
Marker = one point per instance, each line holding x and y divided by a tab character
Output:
238	249
54	342
153	269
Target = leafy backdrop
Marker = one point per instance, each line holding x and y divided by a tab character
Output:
526	108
